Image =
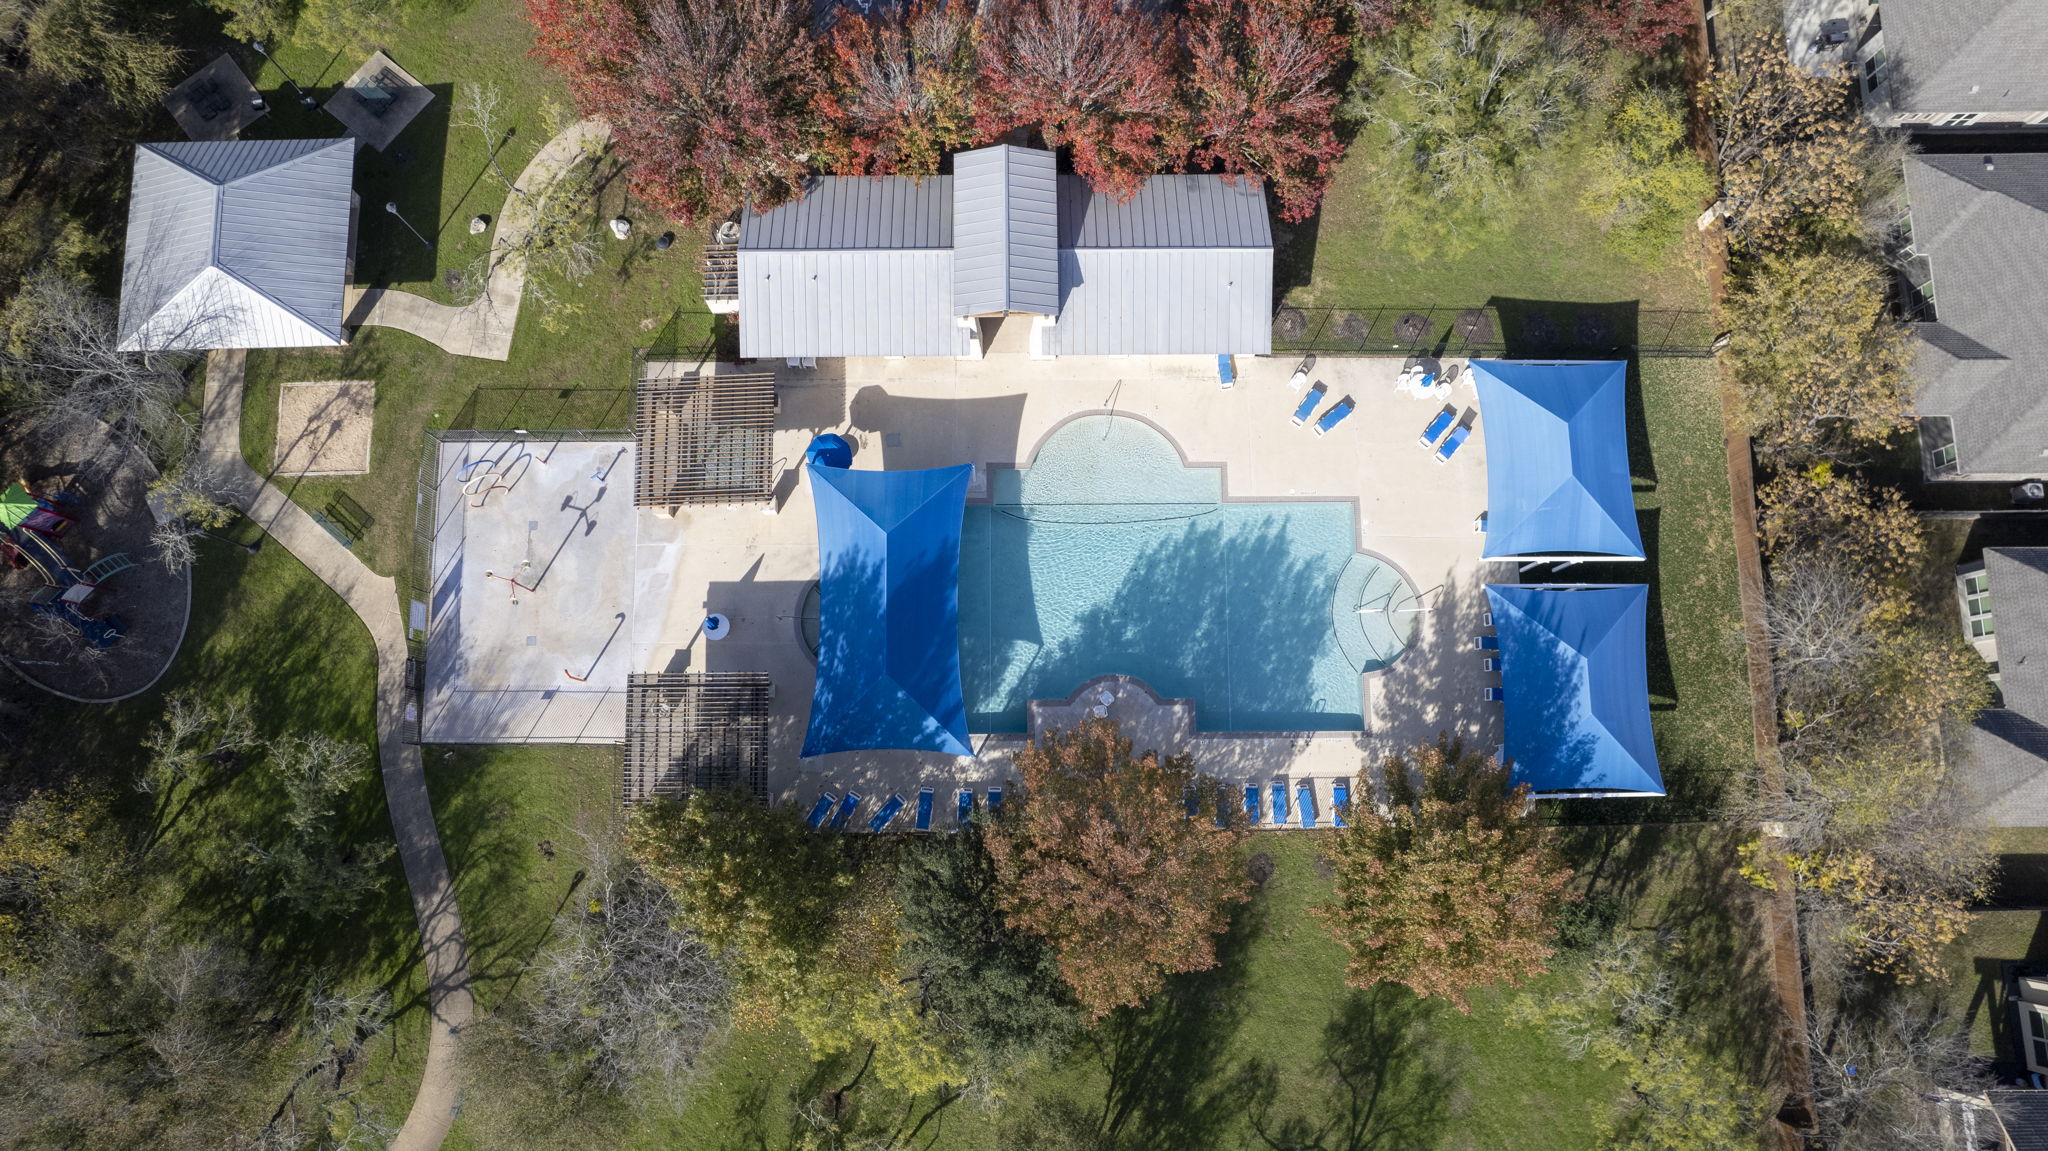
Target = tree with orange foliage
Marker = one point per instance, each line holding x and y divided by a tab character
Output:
1644	26
1096	77
1099	856
1454	888
710	101
901	90
1262	92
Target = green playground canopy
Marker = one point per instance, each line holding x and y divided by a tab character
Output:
16	505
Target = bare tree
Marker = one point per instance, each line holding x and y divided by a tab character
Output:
623	998
480	109
309	867
1817	620
196	733
557	247
1883	1064
192	500
63	341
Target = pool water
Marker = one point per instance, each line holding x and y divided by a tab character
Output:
1108	555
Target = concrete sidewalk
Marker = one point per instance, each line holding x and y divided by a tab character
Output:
483	328
374	598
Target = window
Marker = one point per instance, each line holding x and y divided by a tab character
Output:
1945	456
1977	604
1873	70
2037	1036
1938	450
1957	120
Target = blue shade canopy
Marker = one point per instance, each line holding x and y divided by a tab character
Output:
1578	692
1557	479
888	611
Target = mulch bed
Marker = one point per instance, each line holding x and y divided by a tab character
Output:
80	457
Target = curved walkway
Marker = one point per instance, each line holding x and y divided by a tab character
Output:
483	327
375	599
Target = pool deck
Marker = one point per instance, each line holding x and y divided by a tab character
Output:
754	566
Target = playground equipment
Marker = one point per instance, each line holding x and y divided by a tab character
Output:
24	510
31	524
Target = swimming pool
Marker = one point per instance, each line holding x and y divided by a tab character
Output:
1108	555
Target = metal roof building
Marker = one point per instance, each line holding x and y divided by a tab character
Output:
900	267
237	244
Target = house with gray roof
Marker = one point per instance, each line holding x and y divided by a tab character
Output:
2004	599
1932	64
238	244
903	267
1977	274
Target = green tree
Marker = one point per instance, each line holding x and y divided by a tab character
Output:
1818	355
1098	855
310	868
1626	1013
998	987
93	43
1648	185
1467	96
1456	887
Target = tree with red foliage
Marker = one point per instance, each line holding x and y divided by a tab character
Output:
1369	18
901	90
1263	96
1640	25
1095	76
1101	857
710	101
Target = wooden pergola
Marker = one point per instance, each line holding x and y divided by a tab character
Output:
703	439
689	731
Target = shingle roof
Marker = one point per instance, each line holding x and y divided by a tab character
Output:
1984	234
237	244
1185	267
1967	55
1005	232
2007	782
2024	1115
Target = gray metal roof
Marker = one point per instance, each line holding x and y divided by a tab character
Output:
856	213
1164	301
237	244
1984	234
1169	212
1183	268
1967	55
885	302
1006	231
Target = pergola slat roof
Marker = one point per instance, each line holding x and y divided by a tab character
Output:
693	731
703	439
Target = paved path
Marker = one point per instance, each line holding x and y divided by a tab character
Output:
375	600
483	328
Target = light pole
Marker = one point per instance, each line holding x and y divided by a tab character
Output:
391	206
305	101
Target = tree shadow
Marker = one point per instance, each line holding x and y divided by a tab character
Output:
1381	1088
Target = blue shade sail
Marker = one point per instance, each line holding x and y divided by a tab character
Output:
1557	472
888	611
1577	686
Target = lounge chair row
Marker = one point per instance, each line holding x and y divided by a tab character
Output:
1331	418
1444	446
831	812
1276	805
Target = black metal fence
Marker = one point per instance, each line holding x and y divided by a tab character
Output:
546	411
1537	329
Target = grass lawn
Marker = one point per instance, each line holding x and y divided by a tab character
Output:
263	626
440	176
1269	1049
1539	244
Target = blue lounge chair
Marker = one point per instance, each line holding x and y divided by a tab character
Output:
924	810
1487	642
1280	803
1340	799
965	811
1335	415
1309	401
1452	443
1305	800
1251	802
846	807
1194	802
1436	429
1489	664
887	815
821	809
995	801
1496	695
1225	374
